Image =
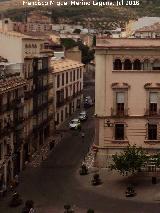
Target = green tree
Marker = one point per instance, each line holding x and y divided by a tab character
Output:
68	43
130	161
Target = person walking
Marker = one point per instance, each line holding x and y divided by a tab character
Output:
82	135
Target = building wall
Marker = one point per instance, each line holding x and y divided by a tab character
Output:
71	103
137	101
11	48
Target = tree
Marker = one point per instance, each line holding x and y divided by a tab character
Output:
68	43
130	161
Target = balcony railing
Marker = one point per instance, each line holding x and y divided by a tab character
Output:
6	129
43	123
153	113
39	89
60	103
28	95
119	113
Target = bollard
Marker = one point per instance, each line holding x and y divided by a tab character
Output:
154	180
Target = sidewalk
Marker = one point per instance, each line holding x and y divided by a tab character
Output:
114	185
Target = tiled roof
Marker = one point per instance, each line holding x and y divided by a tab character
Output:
106	43
65	64
10	84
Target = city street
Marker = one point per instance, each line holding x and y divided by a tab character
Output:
55	182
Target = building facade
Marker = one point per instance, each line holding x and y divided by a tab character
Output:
127	96
11	121
28	54
68	87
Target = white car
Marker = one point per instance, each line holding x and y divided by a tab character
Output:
83	116
75	124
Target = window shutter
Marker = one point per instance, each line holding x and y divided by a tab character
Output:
120	97
153	98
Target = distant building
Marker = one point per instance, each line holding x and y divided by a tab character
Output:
35	23
152	31
127	96
135	25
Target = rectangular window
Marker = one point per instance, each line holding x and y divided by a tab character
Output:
66	77
39	64
77	74
120	103
80	72
61	115
153	102
58	81
74	75
57	122
62	79
71	76
119	132
0	151
152	131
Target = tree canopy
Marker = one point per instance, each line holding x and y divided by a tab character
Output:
130	160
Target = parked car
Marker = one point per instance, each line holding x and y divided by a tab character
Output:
75	124
88	102
83	116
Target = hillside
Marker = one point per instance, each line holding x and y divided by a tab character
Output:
95	16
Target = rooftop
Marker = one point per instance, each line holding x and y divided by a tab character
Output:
153	28
10	84
65	64
19	35
107	43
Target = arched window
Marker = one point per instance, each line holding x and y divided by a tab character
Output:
26	46
127	65
137	64
146	64
117	65
156	65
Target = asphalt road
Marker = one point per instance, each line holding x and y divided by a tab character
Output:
54	183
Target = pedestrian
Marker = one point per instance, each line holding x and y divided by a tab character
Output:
82	135
16	180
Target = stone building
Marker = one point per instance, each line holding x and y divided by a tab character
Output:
127	96
28	54
68	87
11	120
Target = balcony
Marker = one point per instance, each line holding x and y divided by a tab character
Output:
119	113
28	95
41	72
60	103
19	103
30	75
43	123
18	123
42	88
152	113
6	129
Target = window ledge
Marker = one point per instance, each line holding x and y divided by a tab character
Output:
152	141
142	71
120	141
